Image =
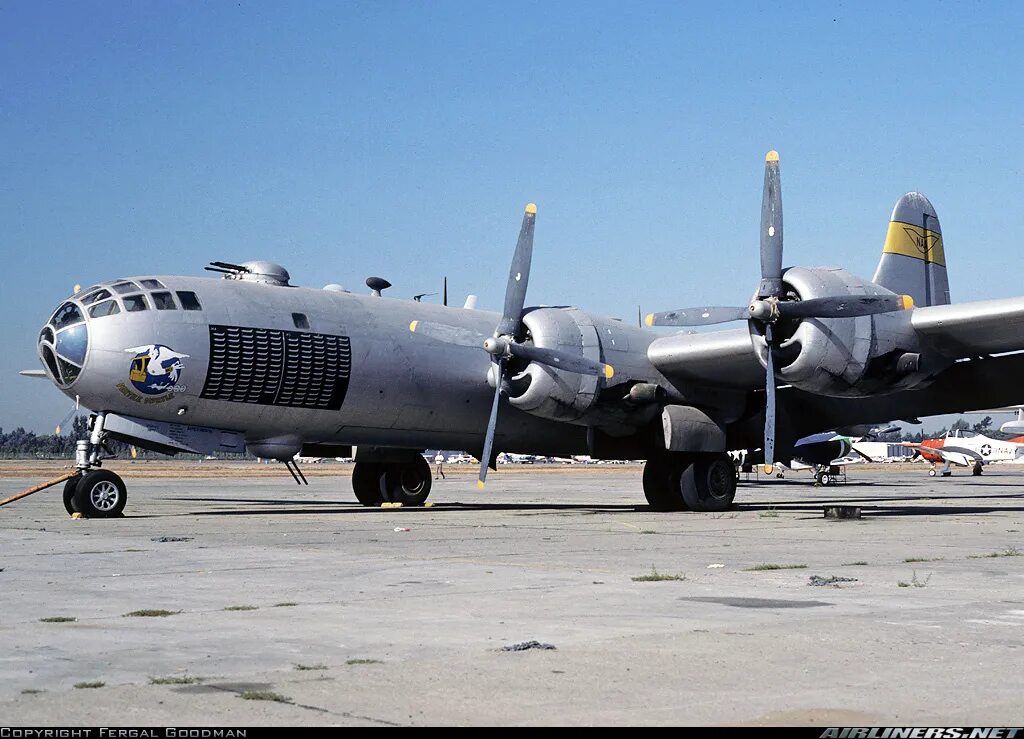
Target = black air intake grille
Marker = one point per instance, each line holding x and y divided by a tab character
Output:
286	368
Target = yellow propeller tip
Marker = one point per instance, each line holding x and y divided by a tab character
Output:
907	302
772	156
77	289
767	468
649	319
531	208
412	326
609	372
479	484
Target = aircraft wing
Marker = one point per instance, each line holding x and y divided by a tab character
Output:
954	455
972	329
719	358
726	358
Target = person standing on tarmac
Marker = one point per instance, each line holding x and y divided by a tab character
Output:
439	461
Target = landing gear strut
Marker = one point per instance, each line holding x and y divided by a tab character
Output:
407	483
698	482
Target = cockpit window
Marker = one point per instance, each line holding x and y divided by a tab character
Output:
67	315
135	303
153	285
106	308
69	372
95	297
125	287
189	301
51	362
163	301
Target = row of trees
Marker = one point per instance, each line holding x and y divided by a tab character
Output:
22	443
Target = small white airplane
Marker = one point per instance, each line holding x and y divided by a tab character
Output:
964	448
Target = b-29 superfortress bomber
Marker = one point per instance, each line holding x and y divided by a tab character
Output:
248	361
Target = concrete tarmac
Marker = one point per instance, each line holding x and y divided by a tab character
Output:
302	594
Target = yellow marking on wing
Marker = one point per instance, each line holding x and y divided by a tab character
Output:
531	208
412	326
772	156
649	319
914	241
609	372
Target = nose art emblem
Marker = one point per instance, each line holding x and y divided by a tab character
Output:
155	369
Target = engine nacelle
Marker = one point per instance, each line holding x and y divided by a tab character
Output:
570	397
549	392
845	357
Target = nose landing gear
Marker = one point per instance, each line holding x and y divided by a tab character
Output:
96	492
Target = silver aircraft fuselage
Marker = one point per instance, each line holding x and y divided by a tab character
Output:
315	365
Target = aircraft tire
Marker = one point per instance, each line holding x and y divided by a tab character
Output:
368	482
661	484
931	473
826	479
408	483
100	494
977	470
709	485
69	495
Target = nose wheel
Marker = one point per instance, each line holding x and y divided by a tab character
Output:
99	494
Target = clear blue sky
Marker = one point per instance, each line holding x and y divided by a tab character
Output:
402	139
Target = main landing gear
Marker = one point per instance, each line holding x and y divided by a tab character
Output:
408	483
677	481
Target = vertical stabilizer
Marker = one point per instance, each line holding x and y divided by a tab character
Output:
913	260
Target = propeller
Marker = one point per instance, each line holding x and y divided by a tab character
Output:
503	345
772	304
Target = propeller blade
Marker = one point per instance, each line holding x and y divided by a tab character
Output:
845	306
769	407
444	301
485	458
771	229
448	334
561	360
698	316
518	277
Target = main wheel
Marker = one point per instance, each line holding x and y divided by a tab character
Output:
100	494
408	483
931	472
368	483
709	484
826	479
69	494
977	469
661	483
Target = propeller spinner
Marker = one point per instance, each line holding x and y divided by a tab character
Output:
503	345
772	304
